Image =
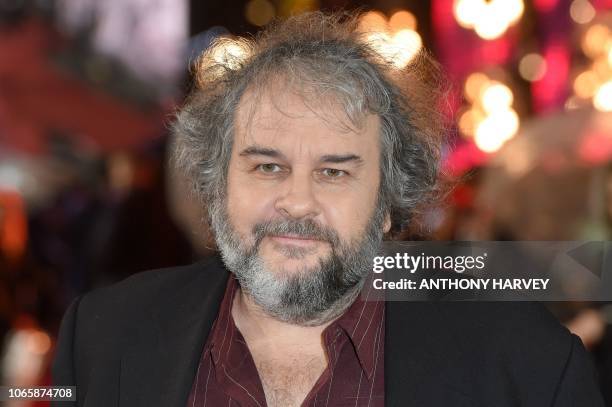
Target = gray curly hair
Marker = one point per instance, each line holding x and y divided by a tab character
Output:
326	54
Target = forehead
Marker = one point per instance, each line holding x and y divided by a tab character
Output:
279	115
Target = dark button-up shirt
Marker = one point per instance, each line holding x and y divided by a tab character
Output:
354	344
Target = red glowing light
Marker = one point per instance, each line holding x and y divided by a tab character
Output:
545	5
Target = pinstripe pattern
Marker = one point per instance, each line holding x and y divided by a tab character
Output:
355	376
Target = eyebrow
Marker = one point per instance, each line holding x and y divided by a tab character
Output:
341	158
328	158
258	150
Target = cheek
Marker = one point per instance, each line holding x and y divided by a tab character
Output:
245	205
349	213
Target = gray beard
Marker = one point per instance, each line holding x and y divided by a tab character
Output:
310	296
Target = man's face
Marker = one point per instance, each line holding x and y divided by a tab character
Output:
301	198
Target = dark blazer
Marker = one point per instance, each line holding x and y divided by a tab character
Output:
138	343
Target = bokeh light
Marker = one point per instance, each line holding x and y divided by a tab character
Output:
489	19
468	12
511	9
490	118
496	97
39	342
401	47
402	20
496	129
585	84
582	11
259	12
595	40
532	67
603	97
469	121
474	84
486	139
373	21
407	44
492	25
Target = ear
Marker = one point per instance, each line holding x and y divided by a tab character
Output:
387	223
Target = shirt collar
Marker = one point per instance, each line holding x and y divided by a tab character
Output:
224	331
362	323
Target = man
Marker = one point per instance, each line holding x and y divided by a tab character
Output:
308	146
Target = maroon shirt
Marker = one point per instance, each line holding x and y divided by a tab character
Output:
354	345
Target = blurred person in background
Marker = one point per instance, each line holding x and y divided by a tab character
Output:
67	104
308	146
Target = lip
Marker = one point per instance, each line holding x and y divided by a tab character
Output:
295	240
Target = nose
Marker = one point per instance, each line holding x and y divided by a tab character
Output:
298	199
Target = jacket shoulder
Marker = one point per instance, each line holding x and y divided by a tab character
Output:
121	308
146	286
519	349
504	321
493	353
523	337
104	326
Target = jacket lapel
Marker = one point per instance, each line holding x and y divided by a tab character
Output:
159	364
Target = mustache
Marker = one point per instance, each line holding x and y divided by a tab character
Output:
307	229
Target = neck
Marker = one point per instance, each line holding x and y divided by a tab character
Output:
254	322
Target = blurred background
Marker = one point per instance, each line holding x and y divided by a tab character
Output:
87	89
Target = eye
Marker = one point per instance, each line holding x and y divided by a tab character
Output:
333	173
268	168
